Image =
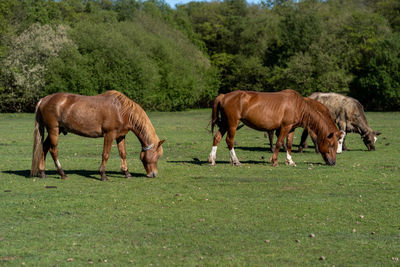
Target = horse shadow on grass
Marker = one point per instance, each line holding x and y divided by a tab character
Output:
95	175
196	161
268	150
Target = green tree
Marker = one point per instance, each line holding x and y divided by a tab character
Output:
143	58
377	82
25	66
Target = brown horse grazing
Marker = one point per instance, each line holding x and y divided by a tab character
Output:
325	112
283	110
110	115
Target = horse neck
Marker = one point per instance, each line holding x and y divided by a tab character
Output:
143	128
315	121
362	126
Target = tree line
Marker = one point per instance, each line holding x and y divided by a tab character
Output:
174	58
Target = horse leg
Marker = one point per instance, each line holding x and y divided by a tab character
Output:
106	154
229	141
314	138
217	138
289	143
283	143
344	143
122	155
46	147
341	145
283	133
271	139
303	141
53	148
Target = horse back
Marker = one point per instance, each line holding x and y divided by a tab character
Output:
89	116
263	111
344	109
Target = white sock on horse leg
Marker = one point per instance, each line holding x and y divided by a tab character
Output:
58	164
340	144
213	155
289	160
214	151
232	153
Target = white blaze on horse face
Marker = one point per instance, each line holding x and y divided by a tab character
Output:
234	159
375	139
289	160
340	143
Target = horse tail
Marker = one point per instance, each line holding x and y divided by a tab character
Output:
38	136
215	118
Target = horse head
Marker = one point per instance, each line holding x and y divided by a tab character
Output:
328	147
369	139
149	157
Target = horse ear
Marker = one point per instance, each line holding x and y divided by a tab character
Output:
330	135
377	133
160	143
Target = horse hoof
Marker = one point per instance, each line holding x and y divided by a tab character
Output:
290	163
104	178
237	163
128	175
275	164
64	177
211	160
42	175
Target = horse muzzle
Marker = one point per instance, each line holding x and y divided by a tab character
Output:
330	162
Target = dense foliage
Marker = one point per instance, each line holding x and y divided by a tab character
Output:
176	58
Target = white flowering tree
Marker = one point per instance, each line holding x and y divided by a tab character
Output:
25	66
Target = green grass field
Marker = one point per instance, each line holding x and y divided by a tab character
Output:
195	214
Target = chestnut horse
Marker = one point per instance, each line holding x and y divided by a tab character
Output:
110	115
325	112
285	110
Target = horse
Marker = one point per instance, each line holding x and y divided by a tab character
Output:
110	115
348	114
285	110
325	112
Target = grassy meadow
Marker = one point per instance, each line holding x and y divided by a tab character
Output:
195	214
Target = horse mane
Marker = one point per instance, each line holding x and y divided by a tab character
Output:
135	115
317	119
